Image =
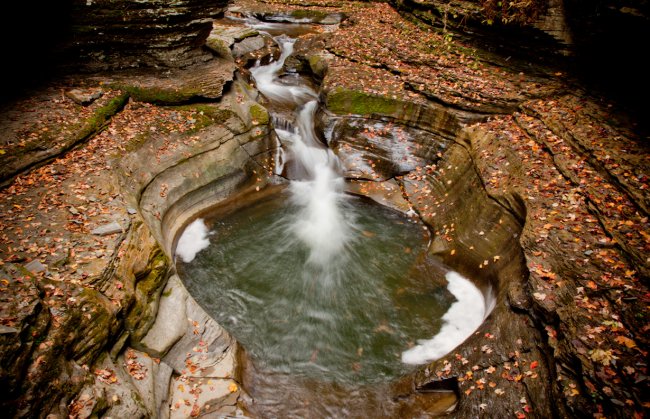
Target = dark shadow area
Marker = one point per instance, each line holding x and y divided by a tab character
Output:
606	57
33	35
610	48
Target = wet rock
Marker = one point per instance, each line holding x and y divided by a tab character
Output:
216	343
162	378
259	49
223	37
170	324
378	151
36	266
218	154
302	16
90	327
209	396
142	370
107	229
438	119
81	325
90	400
122	397
309	56
219	46
207	356
248	45
84	97
386	193
318	64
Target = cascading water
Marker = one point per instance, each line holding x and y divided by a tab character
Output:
317	186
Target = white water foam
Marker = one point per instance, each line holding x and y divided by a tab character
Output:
318	188
320	223
461	320
193	240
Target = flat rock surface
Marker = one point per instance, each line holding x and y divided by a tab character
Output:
200	82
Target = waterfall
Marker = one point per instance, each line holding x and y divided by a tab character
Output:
316	183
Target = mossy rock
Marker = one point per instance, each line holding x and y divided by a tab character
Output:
344	101
317	16
310	15
318	65
91	325
206	114
149	283
157	95
91	125
218	46
57	141
259	114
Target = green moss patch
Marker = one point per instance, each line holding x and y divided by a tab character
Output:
156	95
343	101
311	15
259	115
206	114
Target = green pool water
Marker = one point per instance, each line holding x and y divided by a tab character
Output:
346	320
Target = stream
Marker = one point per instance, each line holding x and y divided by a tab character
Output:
330	294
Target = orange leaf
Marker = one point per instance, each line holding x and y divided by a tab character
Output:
625	341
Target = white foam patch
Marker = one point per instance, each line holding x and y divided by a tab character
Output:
459	322
193	240
320	224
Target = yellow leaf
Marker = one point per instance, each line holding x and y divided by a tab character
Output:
602	356
232	387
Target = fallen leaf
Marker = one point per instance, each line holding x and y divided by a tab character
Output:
625	341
